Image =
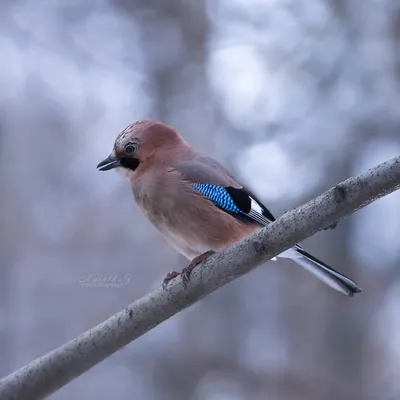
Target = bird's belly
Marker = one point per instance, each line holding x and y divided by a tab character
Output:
194	237
177	233
187	246
191	224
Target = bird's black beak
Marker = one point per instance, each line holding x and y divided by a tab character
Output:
109	163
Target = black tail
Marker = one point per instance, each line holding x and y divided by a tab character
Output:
325	273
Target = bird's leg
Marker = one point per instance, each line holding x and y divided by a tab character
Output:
196	261
169	277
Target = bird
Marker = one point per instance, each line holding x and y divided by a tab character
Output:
195	202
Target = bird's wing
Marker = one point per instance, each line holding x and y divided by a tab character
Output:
213	181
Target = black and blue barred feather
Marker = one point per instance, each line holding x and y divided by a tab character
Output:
219	196
236	202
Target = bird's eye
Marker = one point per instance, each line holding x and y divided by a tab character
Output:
130	148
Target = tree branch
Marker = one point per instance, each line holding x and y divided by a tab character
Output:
45	375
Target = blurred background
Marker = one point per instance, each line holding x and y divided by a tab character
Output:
293	96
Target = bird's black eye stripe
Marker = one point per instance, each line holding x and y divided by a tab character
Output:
129	162
130	148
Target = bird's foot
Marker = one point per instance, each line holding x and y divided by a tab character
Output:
196	261
169	277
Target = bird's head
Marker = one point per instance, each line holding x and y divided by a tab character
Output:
141	143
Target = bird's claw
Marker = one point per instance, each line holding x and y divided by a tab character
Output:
186	272
169	277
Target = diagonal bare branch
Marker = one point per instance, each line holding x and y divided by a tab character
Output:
50	372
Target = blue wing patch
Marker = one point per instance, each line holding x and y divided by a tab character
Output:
219	196
235	201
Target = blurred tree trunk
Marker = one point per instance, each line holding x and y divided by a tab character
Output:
7	282
175	36
346	323
323	333
175	39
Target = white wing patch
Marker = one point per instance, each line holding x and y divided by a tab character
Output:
255	206
256	213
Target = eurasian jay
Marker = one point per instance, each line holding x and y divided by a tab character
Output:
194	201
